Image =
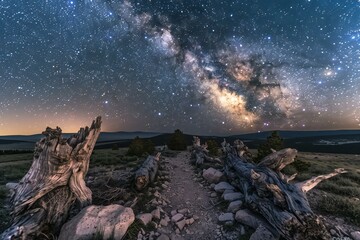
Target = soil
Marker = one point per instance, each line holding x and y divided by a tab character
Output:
185	190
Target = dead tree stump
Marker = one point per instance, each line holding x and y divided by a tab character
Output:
200	153
268	192
42	199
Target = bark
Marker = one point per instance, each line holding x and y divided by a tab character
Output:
267	192
147	172
42	199
200	153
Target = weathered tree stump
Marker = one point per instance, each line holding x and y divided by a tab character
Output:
147	172
267	191
42	199
200	153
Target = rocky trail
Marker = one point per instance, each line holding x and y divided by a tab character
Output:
188	205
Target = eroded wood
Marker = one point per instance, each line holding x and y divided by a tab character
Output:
42	199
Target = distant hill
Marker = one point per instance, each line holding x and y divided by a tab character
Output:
297	134
339	141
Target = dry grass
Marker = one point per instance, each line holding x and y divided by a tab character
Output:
339	195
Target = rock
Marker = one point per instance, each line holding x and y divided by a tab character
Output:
177	217
233	196
228	191
212	175
163	222
248	218
11	185
333	232
225	217
145	218
355	235
163	237
212	186
181	224
157	194
196	217
173	212
222	186
156	213
234	206
262	233
213	195
110	221
190	221
183	211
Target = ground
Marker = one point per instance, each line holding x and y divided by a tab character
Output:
186	191
336	199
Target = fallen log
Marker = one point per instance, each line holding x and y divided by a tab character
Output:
267	191
42	199
147	172
200	153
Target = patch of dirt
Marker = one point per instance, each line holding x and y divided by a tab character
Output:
185	190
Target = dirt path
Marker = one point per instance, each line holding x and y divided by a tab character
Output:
185	191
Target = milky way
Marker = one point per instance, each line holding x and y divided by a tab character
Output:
206	67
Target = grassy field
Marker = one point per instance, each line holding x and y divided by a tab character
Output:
339	196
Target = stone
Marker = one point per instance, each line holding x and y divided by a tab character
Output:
212	175
213	195
156	213
333	232
262	233
222	186
234	206
145	218
248	218
11	185
355	235
228	191
111	221
181	224
163	222
225	217
173	212
163	237
183	211
177	217
233	196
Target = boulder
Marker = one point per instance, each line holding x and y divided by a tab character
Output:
222	186
234	206
262	233
109	221
212	175
233	196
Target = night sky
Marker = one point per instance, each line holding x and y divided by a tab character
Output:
204	66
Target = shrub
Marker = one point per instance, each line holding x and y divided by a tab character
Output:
274	141
139	146
301	166
177	141
213	147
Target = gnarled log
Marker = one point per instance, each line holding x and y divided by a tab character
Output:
42	199
147	172
200	153
267	191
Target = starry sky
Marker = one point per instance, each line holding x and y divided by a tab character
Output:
204	66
